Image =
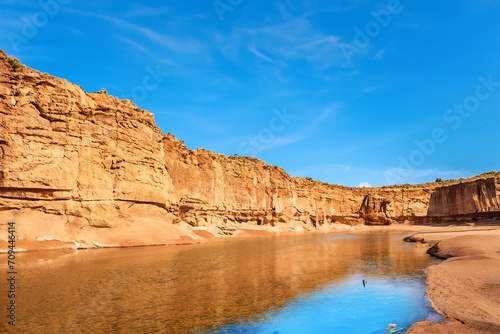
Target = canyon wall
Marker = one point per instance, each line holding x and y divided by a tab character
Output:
93	170
478	196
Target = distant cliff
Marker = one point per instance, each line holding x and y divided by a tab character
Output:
465	198
91	169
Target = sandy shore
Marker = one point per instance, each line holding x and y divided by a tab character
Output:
466	287
142	235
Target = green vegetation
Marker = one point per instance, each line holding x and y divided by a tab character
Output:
439	180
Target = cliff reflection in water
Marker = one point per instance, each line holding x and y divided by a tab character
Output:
195	288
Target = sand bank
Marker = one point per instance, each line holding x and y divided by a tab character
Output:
149	234
466	287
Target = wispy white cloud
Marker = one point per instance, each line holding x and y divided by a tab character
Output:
364	185
260	55
379	55
141	10
11	22
323	41
76	32
307	130
295	39
143	49
315	7
185	45
369	90
135	45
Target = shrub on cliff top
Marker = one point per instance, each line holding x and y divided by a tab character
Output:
14	63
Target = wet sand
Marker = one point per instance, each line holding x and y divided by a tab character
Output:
183	234
466	287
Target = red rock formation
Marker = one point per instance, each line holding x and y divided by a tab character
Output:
465	198
96	170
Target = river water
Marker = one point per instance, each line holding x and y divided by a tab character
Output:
308	283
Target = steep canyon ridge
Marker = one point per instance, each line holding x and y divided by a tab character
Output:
90	170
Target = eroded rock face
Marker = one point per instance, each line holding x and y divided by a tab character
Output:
466	198
376	210
90	168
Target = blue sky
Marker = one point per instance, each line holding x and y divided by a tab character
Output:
347	92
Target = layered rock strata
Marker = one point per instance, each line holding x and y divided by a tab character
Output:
90	169
466	198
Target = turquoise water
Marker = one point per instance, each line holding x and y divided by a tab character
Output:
349	308
394	295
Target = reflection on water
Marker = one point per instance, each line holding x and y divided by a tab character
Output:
200	288
346	307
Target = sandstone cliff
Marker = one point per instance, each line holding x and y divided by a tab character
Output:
466	198
93	170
